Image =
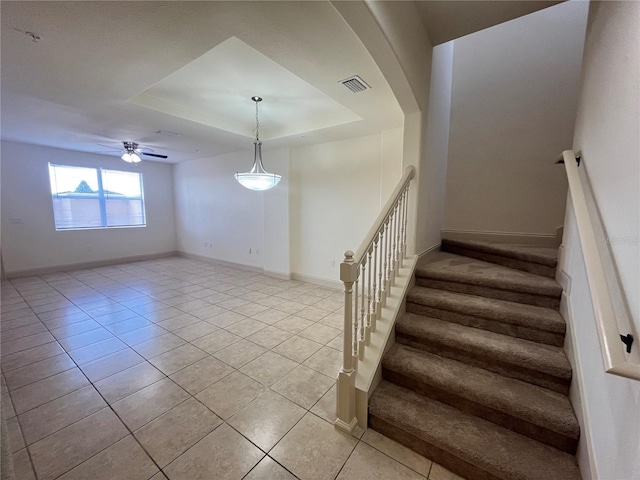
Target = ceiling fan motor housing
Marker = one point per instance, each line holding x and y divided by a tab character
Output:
130	147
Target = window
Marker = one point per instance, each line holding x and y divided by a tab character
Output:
96	198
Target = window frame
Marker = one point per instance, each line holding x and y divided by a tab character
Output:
102	197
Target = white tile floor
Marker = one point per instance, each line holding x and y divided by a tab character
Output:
181	369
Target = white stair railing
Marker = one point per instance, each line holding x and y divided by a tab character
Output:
614	354
368	276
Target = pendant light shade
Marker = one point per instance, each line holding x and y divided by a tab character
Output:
257	178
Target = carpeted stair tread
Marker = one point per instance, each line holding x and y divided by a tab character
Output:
449	267
489	345
491	308
465	444
529	253
510	397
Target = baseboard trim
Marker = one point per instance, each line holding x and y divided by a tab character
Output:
428	254
95	264
542	239
280	275
323	282
218	261
576	391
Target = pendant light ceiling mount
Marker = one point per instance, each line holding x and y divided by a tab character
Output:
257	178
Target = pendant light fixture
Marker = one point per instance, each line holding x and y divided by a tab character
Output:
257	178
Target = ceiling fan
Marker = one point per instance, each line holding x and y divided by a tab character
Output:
131	152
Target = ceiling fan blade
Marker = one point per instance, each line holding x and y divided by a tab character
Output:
110	146
110	152
154	155
144	149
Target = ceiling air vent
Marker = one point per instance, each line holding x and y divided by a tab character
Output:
166	133
355	84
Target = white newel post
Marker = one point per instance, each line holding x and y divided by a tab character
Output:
346	395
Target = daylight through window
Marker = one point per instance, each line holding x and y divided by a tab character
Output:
96	198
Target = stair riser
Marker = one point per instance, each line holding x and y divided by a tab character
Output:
498	417
509	295
518	331
429	450
518	264
492	364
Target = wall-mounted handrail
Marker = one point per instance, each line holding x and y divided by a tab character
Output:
368	276
613	350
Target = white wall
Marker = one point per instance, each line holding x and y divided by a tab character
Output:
212	208
337	191
277	255
433	165
325	203
397	40
514	98
29	238
607	133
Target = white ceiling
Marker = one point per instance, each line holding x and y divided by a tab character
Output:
105	72
449	19
113	71
216	89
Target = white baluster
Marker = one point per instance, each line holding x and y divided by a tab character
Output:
374	313
400	226
381	270
361	342
369	279
387	257
392	253
404	240
368	331
356	323
398	244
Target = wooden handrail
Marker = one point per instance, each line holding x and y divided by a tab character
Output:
368	276
612	349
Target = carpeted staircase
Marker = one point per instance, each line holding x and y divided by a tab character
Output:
478	380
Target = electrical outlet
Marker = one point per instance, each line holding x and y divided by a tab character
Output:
257	251
332	263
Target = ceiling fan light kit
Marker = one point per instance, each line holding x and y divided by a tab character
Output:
257	178
132	152
130	155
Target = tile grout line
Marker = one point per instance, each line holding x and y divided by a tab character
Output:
108	405
166	376
33	467
86	416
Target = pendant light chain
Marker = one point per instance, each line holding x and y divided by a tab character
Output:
257	124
